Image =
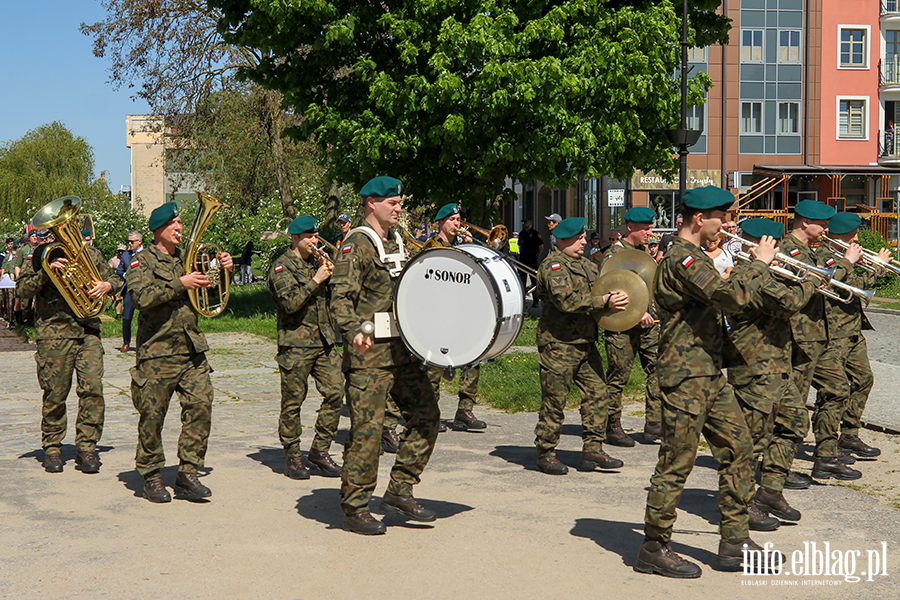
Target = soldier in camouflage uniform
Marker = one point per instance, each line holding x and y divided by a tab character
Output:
22	308
758	354
171	357
567	350
65	344
375	366
642	339
691	297
843	376
298	282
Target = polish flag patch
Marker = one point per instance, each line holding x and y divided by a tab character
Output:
133	264
28	257
795	251
346	249
555	266
687	262
279	269
829	262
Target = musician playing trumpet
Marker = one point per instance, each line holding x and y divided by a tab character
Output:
171	357
298	282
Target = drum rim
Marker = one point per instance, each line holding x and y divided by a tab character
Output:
497	297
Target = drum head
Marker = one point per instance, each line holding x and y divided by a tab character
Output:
446	307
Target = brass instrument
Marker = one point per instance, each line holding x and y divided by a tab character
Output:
281	230
203	257
413	246
495	238
77	278
870	261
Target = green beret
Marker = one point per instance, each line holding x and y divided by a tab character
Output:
708	198
569	228
304	224
381	187
640	214
813	209
447	210
756	228
844	222
161	216
85	233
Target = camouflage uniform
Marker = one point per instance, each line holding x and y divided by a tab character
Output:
758	354
621	348
306	344
362	286
567	351
66	344
690	297
170	357
842	376
23	255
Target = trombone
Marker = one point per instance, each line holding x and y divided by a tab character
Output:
495	239
870	261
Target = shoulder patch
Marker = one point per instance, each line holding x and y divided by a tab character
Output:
703	278
133	264
829	262
28	257
346	248
342	269
556	266
795	251
279	268
687	261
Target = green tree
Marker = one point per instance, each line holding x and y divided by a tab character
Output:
455	96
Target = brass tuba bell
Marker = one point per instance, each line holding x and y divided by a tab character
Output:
203	257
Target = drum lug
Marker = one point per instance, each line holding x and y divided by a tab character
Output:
449	373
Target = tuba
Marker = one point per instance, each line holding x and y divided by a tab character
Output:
201	257
77	278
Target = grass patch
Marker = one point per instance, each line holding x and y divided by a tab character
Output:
528	335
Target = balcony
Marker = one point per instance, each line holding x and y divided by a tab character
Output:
889	72
888	152
890	10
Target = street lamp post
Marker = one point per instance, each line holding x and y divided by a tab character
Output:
684	137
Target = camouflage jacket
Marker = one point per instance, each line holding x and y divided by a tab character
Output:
54	318
613	249
807	324
759	336
22	254
564	288
361	286
845	320
690	297
304	318
167	323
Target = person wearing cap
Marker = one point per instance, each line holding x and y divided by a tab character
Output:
22	310
7	268
758	357
247	263
171	357
552	221
530	246
88	237
809	329
344	225
67	344
691	298
298	282
370	260
843	377
567	351
135	245
641	340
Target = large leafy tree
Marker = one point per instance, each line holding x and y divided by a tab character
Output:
453	96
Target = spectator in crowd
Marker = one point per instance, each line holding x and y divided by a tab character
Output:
247	263
552	221
344	225
731	246
114	265
721	258
530	246
135	245
666	242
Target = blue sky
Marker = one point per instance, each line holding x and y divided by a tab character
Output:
49	73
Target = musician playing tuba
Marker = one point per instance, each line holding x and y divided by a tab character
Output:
67	343
170	357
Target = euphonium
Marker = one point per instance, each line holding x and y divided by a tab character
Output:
201	257
77	278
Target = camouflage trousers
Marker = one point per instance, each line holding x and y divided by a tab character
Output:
153	381
560	365
295	366
56	361
468	385
804	358
701	405
367	391
835	392
621	348
859	372
778	422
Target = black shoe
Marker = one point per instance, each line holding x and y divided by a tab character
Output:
406	506
759	521
465	419
656	557
323	462
551	466
652	431
295	469
88	461
390	441
852	443
598	460
155	491
616	436
187	484
773	502
844	458
442	427
363	523
797	481
53	463
731	555
826	468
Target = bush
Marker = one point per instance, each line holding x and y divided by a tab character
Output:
872	240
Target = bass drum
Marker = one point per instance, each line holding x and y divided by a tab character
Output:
458	306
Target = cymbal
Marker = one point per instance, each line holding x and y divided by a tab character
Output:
637	261
621	280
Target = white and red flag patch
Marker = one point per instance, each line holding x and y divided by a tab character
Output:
829	262
346	249
795	251
688	261
556	266
279	268
133	264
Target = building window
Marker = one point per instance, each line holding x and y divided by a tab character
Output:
751	117
853	48
697	54
788	117
695	119
851	118
789	46
751	45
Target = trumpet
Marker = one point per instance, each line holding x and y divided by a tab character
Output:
870	261
494	239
